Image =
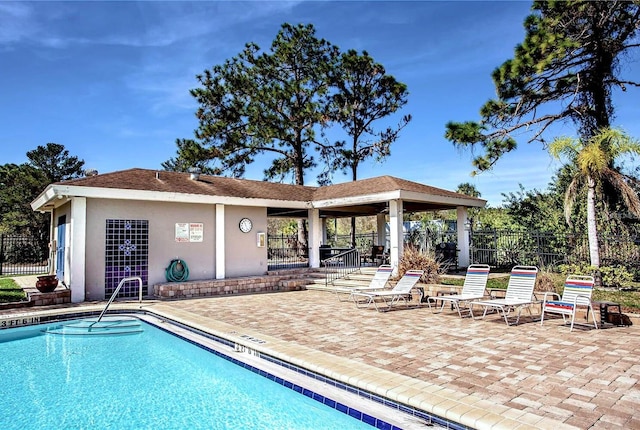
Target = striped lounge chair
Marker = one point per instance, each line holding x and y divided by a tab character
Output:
474	288
378	282
402	291
519	294
577	292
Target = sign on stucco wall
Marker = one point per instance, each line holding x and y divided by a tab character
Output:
196	231
189	231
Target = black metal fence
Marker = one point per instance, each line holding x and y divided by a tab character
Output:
543	249
498	248
286	252
23	255
506	248
423	240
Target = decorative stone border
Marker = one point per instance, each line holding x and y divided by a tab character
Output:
58	297
219	287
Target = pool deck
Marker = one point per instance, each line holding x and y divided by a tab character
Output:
479	373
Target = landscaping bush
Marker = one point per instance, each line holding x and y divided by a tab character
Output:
612	276
412	259
546	282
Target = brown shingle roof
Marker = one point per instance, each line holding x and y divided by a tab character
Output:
380	184
176	182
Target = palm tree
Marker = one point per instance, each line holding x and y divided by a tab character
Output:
594	160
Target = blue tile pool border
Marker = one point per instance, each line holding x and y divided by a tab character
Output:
366	418
428	418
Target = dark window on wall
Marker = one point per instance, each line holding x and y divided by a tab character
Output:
126	255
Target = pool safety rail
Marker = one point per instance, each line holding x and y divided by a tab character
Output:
112	325
340	265
117	290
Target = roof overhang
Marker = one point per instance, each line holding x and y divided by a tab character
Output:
373	204
56	194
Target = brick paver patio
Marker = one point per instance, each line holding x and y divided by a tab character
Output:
587	378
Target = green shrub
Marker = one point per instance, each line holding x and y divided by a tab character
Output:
412	259
612	276
616	276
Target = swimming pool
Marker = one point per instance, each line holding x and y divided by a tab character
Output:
144	380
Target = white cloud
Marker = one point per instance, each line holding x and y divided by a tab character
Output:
16	22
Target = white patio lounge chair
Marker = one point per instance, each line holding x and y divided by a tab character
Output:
378	282
474	288
577	292
402	291
519	294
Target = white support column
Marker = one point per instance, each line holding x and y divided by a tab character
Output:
381	225
463	237
324	230
315	237
77	251
220	242
396	236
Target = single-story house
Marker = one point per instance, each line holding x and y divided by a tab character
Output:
105	227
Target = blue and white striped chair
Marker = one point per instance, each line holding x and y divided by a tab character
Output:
577	292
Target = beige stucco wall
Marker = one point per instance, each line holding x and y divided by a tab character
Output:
162	217
243	256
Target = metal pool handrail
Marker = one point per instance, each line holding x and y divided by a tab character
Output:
339	266
115	293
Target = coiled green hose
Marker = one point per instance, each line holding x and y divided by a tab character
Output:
178	271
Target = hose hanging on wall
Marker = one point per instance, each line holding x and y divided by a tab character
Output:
178	271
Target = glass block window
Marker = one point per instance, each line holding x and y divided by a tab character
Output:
126	255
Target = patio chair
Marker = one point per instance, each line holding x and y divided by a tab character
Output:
402	291
519	294
474	288
577	292
378	282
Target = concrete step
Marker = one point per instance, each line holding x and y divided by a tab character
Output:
319	287
109	325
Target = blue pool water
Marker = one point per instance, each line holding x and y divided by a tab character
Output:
148	380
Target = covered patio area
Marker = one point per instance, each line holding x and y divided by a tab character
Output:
388	199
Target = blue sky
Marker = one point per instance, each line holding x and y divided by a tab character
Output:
110	80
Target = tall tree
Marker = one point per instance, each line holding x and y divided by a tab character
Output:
266	103
191	155
55	163
363	94
565	70
595	159
468	189
20	184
